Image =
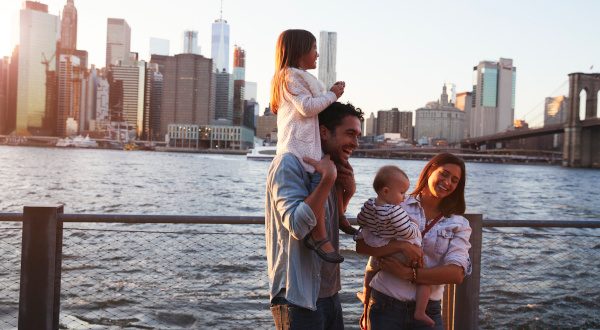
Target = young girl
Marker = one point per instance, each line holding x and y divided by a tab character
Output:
297	97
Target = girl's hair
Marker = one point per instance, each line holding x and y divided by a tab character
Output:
291	45
455	202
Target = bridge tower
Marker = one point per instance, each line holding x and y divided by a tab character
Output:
582	135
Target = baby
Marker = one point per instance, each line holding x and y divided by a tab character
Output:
383	219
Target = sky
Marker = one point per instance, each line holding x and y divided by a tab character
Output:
391	54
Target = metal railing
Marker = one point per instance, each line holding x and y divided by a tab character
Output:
154	271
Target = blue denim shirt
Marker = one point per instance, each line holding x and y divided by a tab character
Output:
291	266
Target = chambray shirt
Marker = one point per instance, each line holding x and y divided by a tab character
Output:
447	243
292	267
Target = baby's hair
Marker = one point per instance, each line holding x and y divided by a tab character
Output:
384	174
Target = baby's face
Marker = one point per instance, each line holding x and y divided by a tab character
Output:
396	189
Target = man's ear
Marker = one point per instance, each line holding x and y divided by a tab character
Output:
323	131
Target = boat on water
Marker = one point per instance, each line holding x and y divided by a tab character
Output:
265	153
77	142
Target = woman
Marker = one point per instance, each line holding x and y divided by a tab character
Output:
436	203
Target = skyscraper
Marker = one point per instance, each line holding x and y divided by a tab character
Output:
118	41
370	125
220	44
239	76
190	42
69	92
37	57
327	55
394	121
224	85
188	90
68	27
132	78
464	102
451	90
4	65
494	97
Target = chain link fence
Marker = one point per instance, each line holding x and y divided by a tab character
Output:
540	278
10	270
167	276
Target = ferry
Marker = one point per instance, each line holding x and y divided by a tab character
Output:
265	153
77	142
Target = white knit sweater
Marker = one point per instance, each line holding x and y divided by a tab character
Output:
297	116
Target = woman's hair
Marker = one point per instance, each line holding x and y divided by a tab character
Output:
455	202
291	46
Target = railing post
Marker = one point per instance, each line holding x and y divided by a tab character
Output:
467	294
41	256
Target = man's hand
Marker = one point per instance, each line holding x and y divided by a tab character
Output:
325	167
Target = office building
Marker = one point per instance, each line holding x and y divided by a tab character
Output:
10	123
68	27
464	102
102	103
156	91
439	120
239	83
220	45
370	125
555	110
190	42
494	97
224	98
188	90
266	127
394	121
159	46
118	41
127	82
37	59
4	69
327	56
69	92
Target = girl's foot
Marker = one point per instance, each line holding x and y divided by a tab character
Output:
324	249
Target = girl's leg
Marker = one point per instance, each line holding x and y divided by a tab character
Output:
318	239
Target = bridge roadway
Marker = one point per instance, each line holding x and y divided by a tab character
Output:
524	133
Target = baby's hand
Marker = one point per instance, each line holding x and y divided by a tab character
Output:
338	88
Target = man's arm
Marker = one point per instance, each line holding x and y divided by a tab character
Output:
317	199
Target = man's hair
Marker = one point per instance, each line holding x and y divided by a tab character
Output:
384	175
333	115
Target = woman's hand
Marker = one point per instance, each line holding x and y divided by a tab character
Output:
413	253
396	268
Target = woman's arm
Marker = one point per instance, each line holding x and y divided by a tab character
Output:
447	274
412	252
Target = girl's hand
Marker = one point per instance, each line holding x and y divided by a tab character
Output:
338	88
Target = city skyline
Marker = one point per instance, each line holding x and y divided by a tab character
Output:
420	45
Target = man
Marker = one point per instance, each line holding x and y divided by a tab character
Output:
303	288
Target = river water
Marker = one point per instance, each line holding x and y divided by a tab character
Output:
530	278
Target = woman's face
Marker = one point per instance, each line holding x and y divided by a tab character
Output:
443	180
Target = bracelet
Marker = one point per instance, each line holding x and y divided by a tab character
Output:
414	277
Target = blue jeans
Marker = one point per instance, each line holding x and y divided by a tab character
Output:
291	317
387	313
